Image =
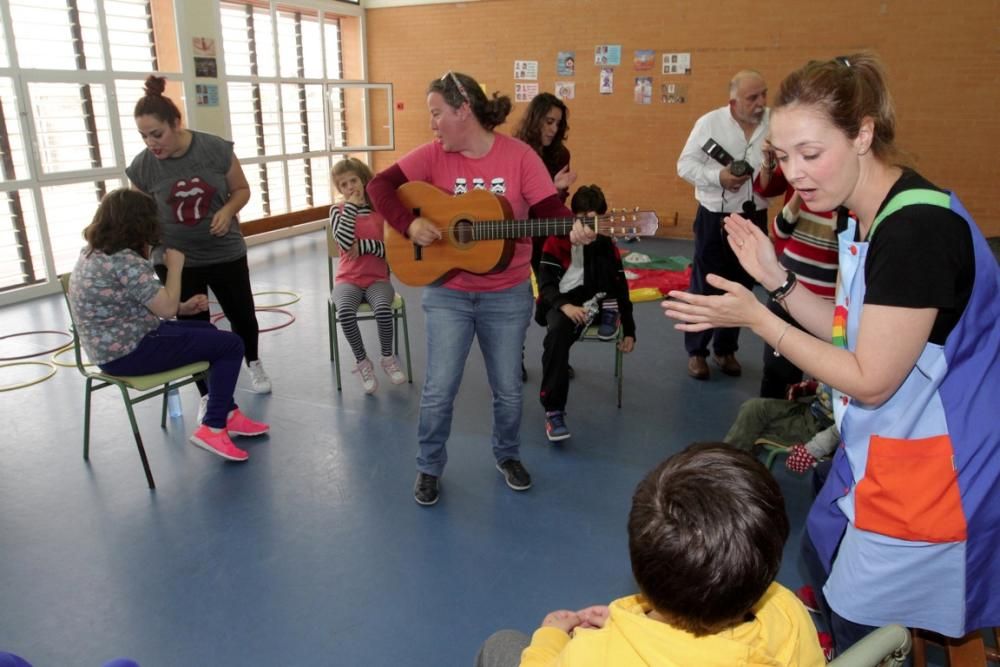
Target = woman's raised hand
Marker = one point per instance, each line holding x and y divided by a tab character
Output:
754	251
564	178
735	307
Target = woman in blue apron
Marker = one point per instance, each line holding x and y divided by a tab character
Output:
907	525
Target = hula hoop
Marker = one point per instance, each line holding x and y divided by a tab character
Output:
295	299
35	354
22	385
55	358
291	318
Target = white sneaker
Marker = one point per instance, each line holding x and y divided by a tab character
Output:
258	378
391	367
366	373
202	408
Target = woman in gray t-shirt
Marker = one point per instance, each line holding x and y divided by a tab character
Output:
199	187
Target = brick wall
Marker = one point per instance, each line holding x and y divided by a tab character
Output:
942	60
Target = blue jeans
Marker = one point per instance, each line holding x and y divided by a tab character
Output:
499	320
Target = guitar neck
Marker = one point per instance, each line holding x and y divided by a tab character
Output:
484	230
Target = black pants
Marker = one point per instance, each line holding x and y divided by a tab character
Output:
561	333
778	371
712	254
230	283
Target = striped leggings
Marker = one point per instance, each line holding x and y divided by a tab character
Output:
379	296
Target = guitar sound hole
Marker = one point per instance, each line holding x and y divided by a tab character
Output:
462	232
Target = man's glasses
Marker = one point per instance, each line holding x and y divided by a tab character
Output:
458	84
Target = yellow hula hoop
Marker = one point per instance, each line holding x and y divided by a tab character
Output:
54	359
295	299
22	385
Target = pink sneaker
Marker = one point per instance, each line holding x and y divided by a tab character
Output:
391	367
239	424
217	442
826	643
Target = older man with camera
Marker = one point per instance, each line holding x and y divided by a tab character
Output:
719	160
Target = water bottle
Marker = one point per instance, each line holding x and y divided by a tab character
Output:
174	407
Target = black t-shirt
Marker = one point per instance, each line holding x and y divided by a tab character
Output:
921	257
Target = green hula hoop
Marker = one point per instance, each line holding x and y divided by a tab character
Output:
22	385
55	358
295	299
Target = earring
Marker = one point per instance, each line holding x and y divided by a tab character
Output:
865	151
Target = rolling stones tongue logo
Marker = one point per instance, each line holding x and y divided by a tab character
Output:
190	199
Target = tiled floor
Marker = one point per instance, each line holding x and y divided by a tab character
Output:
313	552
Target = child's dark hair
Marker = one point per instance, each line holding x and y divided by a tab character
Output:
706	532
589	198
125	219
155	103
352	165
457	89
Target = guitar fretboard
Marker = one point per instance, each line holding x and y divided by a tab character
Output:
484	230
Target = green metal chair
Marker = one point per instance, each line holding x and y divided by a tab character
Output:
886	647
772	450
365	314
590	335
149	386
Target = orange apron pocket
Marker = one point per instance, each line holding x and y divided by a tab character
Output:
910	491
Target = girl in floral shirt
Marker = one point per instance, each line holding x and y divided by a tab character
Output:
123	315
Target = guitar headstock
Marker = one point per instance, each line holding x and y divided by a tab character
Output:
622	223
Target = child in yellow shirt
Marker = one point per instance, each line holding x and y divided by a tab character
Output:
706	533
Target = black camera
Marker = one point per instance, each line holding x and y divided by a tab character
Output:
737	168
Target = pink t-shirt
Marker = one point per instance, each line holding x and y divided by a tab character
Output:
364	269
510	169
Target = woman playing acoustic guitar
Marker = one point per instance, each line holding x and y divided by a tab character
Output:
494	307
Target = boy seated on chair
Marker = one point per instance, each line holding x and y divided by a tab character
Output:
706	533
802	424
574	284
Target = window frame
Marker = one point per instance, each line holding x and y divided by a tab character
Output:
34	181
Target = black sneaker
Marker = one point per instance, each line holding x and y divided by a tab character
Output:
514	474
608	328
425	490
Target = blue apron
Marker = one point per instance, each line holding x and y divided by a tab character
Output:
908	521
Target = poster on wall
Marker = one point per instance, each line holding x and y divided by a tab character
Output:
608	54
566	63
643	92
607	81
525	92
206	95
673	93
206	68
203	46
676	63
565	90
526	70
643	60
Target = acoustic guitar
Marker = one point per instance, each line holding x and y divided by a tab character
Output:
478	232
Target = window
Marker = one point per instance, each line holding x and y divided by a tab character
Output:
70	71
279	61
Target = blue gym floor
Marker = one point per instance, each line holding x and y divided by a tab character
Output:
314	552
